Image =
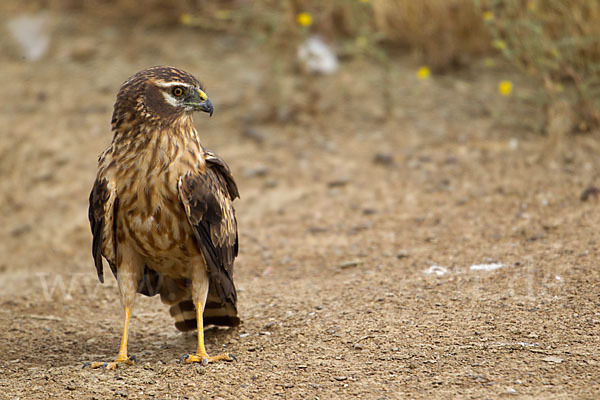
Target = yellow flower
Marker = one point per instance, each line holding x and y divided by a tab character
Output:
489	62
185	19
223	14
488	16
423	73
499	44
304	19
505	88
362	42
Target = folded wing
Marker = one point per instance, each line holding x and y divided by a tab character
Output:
102	210
207	198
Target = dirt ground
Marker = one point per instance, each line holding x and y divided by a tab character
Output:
358	229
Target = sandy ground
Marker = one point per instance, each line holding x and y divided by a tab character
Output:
358	232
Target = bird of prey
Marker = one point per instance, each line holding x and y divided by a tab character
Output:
161	208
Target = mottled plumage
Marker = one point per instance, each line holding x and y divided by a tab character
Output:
161	209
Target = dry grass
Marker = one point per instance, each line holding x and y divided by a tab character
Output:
446	32
557	42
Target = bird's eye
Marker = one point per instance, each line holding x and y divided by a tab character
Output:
177	91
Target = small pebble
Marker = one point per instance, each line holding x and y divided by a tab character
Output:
590	192
349	264
339	182
383	158
402	254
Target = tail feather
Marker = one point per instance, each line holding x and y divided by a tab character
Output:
176	293
215	313
221	314
184	313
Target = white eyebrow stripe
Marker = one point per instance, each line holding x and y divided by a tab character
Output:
170	99
171	84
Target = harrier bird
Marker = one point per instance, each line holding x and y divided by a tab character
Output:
161	208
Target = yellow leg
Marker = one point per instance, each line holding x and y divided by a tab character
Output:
201	355
122	356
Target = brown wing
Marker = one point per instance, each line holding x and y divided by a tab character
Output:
103	205
207	199
215	162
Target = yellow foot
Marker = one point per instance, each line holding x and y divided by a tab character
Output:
205	358
111	365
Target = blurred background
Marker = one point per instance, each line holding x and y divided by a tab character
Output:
381	148
553	43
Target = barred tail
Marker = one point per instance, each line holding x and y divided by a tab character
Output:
177	295
215	313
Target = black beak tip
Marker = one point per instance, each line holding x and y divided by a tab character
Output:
208	107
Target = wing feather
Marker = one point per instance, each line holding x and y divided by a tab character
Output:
102	210
207	198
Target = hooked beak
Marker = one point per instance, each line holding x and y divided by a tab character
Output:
207	106
199	101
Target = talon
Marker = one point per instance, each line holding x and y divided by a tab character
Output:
204	361
183	358
233	358
112	364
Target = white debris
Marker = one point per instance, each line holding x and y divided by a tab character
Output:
436	269
486	267
525	344
558	277
522	344
552	359
318	57
30	33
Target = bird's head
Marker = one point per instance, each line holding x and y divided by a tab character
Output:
160	95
